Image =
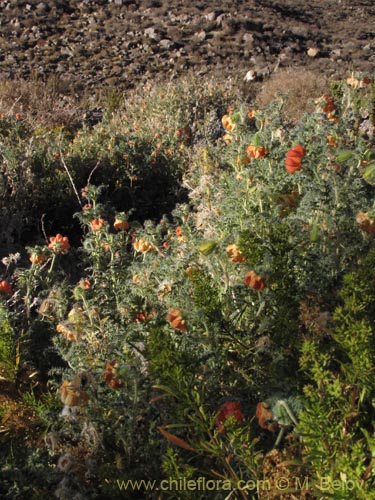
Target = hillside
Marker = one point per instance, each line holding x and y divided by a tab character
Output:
125	42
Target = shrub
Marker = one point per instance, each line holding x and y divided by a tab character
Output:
232	333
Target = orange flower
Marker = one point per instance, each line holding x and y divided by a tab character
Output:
327	105
121	224
254	281
179	231
37	258
366	81
331	141
85	283
294	158
111	376
59	244
144	316
68	332
227	410
142	246
355	83
228	123
266	418
252	113
97	224
72	395
365	222
175	319
234	253
228	138
256	151
5	287
105	245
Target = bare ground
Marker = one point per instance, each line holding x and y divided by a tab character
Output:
122	43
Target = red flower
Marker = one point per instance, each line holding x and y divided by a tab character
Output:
253	280
5	287
59	244
227	410
294	158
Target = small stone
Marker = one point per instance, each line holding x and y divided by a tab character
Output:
152	33
313	52
166	43
250	75
211	16
220	19
248	38
201	35
335	53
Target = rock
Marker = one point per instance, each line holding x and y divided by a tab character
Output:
211	16
313	51
248	38
335	53
166	44
201	35
153	34
250	75
41	7
220	19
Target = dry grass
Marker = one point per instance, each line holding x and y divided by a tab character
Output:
40	103
298	85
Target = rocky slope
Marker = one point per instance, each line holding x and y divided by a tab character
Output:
123	42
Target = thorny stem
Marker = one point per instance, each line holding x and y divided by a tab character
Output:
279	437
52	264
70	179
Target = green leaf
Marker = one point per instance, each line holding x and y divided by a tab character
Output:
314	234
207	247
256	140
369	174
344	156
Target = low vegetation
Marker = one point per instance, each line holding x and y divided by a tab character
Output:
187	297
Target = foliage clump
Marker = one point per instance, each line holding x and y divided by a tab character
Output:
228	337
